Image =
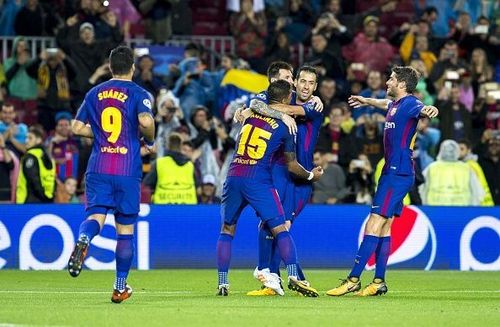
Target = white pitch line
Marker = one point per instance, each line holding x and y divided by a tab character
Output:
234	292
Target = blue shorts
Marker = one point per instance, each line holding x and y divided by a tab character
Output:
239	192
122	194
391	190
303	192
285	186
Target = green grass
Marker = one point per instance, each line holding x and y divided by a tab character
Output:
187	298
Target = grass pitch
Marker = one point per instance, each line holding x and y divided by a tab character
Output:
187	298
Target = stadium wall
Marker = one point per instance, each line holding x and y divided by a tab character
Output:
456	238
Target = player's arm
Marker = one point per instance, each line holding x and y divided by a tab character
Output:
147	126
81	129
296	168
357	101
263	109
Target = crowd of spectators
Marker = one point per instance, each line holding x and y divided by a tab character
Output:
353	44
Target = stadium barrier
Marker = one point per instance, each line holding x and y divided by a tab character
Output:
215	45
457	238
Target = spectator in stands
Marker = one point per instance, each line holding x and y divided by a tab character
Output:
86	52
328	94
8	12
298	22
466	93
14	134
416	45
490	163
375	90
329	65
360	179
370	141
30	20
339	145
368	51
279	46
172	177
449	181
145	77
19	84
477	37
169	117
6	168
157	18
481	70
54	72
207	193
194	87
331	188
37	176
421	91
250	30
204	137
470	159
448	61
64	148
337	35
66	192
127	15
428	138
454	119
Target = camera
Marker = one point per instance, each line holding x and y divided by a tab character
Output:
51	51
172	110
358	163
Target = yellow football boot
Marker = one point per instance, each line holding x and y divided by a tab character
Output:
302	287
265	291
347	286
373	289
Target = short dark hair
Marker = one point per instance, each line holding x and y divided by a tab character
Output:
407	74
7	104
274	69
174	142
278	91
121	60
307	69
431	9
466	142
37	131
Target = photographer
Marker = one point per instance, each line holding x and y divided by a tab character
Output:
448	61
169	117
454	119
360	177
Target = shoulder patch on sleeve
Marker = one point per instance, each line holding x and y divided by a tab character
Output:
147	103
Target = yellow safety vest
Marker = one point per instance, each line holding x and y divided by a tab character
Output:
488	199
47	178
449	184
175	184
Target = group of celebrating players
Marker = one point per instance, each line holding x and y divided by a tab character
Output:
272	171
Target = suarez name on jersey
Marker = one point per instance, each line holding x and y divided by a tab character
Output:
111	109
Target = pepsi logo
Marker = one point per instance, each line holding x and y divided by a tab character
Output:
413	238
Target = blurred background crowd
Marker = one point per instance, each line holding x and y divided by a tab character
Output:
454	44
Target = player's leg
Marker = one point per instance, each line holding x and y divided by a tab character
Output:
383	203
288	252
89	228
232	204
126	195
400	186
124	254
98	190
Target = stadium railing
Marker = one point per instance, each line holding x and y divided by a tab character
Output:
215	45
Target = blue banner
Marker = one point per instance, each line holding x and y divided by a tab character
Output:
460	238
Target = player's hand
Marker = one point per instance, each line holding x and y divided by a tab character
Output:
318	172
290	123
430	111
239	116
318	104
357	101
150	148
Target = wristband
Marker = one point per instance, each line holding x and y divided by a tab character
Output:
150	144
311	176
